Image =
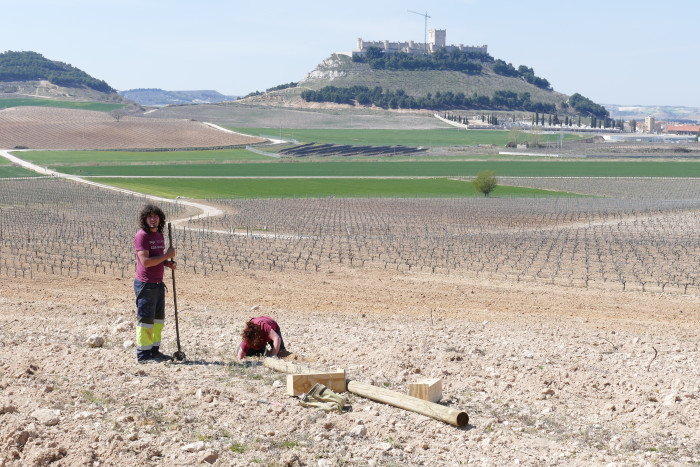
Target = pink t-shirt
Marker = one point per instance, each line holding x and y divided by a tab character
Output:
267	324
154	244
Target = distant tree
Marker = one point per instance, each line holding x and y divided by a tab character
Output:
485	182
515	135
633	126
117	114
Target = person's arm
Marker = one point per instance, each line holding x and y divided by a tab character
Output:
150	261
241	353
276	343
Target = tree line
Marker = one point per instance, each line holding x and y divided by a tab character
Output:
502	68
398	99
455	60
32	66
587	107
291	84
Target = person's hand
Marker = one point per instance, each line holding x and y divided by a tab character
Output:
171	264
170	253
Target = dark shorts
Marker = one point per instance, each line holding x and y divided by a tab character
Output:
150	301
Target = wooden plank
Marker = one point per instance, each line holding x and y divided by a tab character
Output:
427	389
298	384
402	401
286	367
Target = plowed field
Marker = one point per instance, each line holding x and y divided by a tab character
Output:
55	128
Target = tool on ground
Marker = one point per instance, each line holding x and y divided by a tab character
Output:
321	397
179	355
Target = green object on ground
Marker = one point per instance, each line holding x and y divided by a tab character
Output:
321	397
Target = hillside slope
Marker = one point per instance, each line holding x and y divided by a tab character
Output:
45	89
32	74
341	71
32	66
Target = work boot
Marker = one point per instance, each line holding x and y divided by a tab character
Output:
158	356
144	356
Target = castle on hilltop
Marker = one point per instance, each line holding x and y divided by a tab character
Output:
436	40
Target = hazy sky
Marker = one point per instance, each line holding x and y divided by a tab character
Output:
613	51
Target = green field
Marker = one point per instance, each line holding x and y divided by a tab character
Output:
413	138
305	188
534	168
32	101
89	158
8	171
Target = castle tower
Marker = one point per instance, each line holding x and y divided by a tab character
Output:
437	38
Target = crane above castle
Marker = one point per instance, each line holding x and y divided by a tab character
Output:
425	44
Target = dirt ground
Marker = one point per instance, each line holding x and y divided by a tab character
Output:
548	375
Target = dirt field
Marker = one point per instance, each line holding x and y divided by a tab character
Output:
548	375
56	128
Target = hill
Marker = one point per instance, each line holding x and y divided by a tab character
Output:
31	74
485	87
154	97
341	70
32	66
659	112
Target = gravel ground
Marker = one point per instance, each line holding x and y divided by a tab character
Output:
548	375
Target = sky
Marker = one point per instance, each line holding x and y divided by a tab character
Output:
621	52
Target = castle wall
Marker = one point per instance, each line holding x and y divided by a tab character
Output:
436	40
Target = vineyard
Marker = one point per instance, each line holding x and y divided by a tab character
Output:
67	228
637	235
57	128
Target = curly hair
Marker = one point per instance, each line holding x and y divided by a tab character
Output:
254	336
147	211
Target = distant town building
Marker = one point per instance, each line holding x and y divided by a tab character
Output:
649	124
683	129
436	40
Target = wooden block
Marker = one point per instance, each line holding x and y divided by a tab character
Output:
427	389
298	384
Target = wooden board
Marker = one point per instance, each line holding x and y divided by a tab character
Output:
427	389
298	384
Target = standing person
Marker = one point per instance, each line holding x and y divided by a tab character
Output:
151	258
257	334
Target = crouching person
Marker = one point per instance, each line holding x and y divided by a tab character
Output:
258	333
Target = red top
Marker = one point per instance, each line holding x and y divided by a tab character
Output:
154	244
267	324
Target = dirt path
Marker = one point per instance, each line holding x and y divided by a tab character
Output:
206	210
